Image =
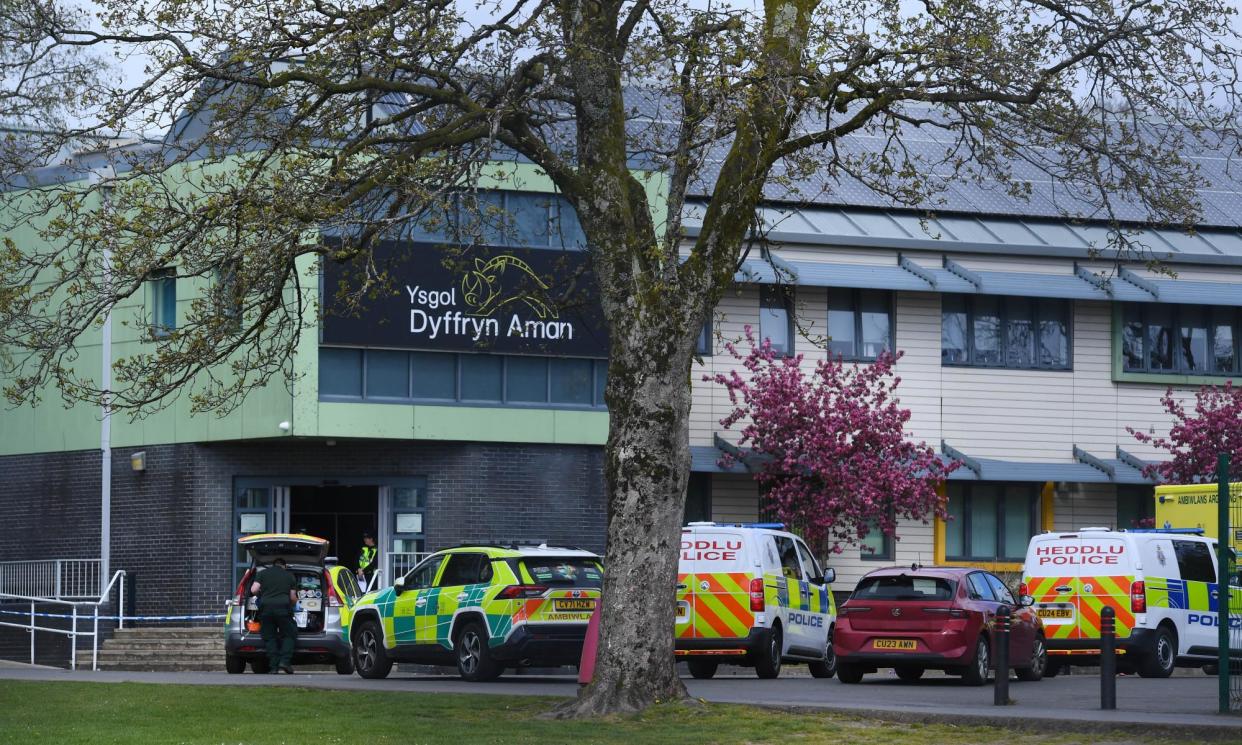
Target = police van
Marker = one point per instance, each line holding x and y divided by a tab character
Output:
754	595
1161	583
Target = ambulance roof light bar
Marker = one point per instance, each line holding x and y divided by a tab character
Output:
760	526
1173	531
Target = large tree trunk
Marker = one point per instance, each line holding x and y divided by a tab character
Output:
648	464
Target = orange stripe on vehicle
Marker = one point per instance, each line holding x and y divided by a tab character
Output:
729	599
705	614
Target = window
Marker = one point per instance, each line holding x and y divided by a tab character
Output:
1194	561
423	575
526	379
790	567
776	318
340	371
388	374
435	375
1136	506
999	590
860	323
462	569
484	378
1014	332
904	587
989	521
877	546
703	346
698	498
501	218
560	571
814	573
162	293
571	381
1179	339
980	589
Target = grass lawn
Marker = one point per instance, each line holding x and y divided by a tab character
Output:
145	713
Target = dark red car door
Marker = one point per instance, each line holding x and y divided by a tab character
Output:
1021	628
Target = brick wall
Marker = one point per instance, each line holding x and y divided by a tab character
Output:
172	524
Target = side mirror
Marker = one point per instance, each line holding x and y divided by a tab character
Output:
399	584
1026	601
830	576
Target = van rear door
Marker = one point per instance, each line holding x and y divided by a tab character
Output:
716	576
1053	584
1073	577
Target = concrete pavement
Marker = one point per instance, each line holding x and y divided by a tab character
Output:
1181	705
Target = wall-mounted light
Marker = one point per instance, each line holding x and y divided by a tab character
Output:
284	426
138	461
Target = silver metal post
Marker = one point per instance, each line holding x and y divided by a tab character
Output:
95	641
56	580
73	641
32	632
120	609
104	175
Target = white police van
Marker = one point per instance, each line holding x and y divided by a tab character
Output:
1161	584
752	594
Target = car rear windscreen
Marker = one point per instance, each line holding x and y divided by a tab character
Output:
905	588
565	572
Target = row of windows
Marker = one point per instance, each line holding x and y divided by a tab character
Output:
392	376
1180	339
501	218
995	331
860	322
995	522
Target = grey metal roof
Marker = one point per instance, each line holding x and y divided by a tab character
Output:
1020	236
706	459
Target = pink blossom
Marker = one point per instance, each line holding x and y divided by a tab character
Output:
831	454
1197	438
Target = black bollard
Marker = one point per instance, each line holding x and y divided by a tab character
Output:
1000	638
1108	659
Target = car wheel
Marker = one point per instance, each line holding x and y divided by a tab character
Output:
768	657
1161	658
1039	661
474	657
827	667
260	666
234	665
371	660
909	674
976	673
849	673
701	668
345	665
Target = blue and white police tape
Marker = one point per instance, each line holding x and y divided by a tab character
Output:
202	617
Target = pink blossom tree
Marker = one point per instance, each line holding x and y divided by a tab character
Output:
830	448
1197	437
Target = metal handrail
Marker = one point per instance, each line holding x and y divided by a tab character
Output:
72	632
59	578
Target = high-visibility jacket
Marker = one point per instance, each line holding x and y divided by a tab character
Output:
367	557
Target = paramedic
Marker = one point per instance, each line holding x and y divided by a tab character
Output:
276	588
367	561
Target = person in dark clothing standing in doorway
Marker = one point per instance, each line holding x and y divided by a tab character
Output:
368	560
277	590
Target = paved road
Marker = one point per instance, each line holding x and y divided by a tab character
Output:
1180	702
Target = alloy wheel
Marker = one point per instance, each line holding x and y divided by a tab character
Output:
1039	658
469	653
982	661
366	652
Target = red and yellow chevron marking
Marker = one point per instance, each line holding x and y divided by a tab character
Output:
1105	592
722	610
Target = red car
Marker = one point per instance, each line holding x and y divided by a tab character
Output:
938	618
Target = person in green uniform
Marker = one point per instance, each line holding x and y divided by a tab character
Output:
367	560
277	590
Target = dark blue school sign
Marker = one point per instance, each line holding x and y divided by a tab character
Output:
482	299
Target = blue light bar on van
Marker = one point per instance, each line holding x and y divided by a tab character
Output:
763	526
1173	531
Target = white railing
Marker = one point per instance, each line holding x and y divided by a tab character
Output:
59	579
65	610
395	565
